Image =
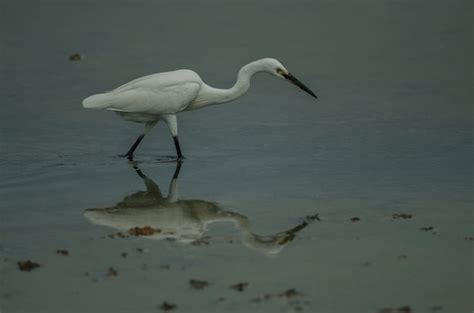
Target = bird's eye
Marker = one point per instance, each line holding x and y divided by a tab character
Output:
279	70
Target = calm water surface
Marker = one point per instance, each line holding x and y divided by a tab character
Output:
390	134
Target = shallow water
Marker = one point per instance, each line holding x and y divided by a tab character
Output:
390	134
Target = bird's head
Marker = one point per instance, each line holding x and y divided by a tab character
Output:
274	67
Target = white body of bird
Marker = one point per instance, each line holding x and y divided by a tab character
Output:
161	96
156	94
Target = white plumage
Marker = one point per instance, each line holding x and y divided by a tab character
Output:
157	94
161	96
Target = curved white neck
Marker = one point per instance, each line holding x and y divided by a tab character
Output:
240	87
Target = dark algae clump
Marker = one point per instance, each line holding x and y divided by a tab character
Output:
165	306
239	286
27	266
198	284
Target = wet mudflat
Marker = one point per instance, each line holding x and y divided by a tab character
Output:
358	202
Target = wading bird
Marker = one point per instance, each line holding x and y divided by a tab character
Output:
161	96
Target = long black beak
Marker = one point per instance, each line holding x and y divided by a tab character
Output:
296	82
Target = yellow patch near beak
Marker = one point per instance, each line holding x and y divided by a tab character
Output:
281	71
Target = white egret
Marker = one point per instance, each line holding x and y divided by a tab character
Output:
161	96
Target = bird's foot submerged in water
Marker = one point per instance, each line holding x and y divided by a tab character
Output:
127	155
170	158
163	158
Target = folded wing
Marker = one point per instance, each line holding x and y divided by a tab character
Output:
164	93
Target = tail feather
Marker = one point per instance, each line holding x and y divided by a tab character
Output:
99	101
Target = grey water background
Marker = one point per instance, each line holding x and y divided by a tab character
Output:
390	133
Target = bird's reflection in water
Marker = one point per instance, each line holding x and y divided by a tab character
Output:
184	221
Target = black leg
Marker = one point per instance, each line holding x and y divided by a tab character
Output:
178	150
176	171
129	154
139	172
